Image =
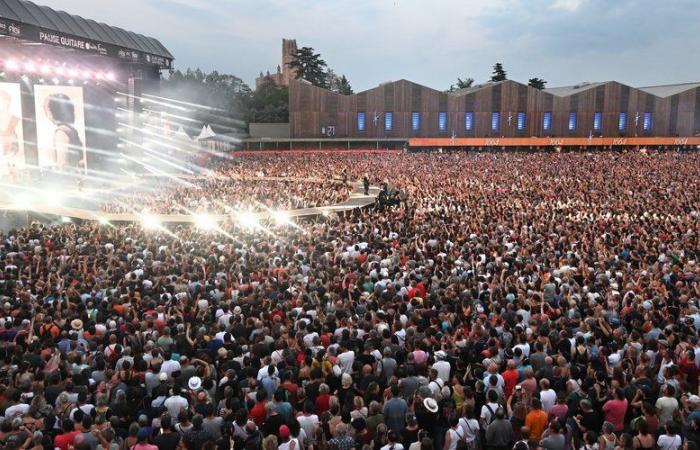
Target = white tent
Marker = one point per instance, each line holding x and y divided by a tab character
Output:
206	133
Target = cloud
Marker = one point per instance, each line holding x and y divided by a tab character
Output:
371	41
567	5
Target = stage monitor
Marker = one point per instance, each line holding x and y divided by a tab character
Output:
11	133
60	128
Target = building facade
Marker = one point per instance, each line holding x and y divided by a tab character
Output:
505	109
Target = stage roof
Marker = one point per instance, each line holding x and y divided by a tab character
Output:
27	21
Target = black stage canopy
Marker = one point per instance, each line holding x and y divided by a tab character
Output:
25	20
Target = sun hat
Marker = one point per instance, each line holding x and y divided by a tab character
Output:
430	404
194	383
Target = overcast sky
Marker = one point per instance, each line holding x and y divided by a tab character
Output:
432	42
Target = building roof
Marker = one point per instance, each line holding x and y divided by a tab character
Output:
564	91
28	13
666	90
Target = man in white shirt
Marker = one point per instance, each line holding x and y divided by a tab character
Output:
548	396
442	366
346	358
169	366
488	411
176	403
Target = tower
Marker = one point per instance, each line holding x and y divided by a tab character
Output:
289	49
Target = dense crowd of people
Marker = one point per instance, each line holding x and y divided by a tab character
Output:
513	301
228	187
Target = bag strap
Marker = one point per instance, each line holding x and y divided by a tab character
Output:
491	411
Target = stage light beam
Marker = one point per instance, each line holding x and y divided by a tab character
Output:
150	222
247	220
281	217
11	64
205	222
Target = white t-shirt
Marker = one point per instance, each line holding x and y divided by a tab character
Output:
666	442
346	360
175	404
396	446
548	399
486	414
443	370
469	428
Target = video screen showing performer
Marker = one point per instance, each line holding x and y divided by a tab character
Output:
61	128
11	135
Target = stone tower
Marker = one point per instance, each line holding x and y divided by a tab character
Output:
289	48
284	73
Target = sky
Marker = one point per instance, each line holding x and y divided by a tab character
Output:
431	42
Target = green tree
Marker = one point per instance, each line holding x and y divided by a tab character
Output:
269	103
309	66
461	84
537	83
342	86
218	99
499	74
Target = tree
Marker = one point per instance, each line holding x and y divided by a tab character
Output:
342	86
537	83
222	98
309	66
269	103
461	84
499	74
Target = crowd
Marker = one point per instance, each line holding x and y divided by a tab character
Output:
514	301
229	187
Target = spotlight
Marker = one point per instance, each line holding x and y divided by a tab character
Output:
60	70
205	221
70	81
41	80
99	75
86	74
103	221
281	217
29	66
22	201
117	99
150	222
53	196
73	73
55	80
247	220
65	219
11	64
45	69
110	76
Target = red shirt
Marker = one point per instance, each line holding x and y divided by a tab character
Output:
258	414
510	377
615	413
62	441
323	403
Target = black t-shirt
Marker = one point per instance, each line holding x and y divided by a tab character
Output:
166	441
